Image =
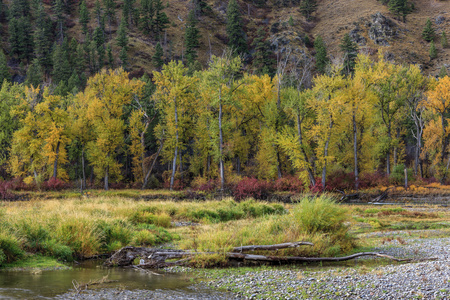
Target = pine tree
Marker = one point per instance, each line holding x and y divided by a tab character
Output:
58	9
443	72
98	12
110	11
4	70
428	31
433	51
350	50
110	57
263	61
161	20
43	39
123	56
20	38
158	61
191	38
34	74
127	11
122	38
400	8
444	41
322	59
100	45
148	15
61	66
307	7
84	17
235	33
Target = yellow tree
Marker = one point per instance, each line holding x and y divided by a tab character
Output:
174	98
436	132
106	94
327	89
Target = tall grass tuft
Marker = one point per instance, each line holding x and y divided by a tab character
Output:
10	249
320	214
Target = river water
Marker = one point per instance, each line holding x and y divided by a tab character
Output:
59	284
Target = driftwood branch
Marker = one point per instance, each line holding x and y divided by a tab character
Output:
271	247
157	258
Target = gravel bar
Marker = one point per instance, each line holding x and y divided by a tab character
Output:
421	280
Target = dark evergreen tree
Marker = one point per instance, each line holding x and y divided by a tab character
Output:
433	51
235	33
123	56
4	70
122	37
400	8
307	7
127	11
110	57
35	74
74	83
80	62
350	50
43	39
158	60
147	16
428	31
161	20
110	12
58	9
321	56
444	41
263	58
20	38
18	9
84	17
61	66
443	72
191	38
98	12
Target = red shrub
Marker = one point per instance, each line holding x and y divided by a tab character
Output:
340	181
288	184
317	188
375	179
55	184
5	193
178	184
209	186
117	185
17	184
252	187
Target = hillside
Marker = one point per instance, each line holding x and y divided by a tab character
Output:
369	23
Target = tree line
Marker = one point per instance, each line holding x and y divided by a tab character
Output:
222	123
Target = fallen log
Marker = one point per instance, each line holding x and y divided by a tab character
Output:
270	247
157	258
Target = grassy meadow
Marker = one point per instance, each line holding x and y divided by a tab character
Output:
66	228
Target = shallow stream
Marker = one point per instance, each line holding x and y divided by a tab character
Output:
60	283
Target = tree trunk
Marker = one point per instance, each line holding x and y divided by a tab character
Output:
106	178
221	166
55	164
397	136
174	164
355	150
388	157
152	166
83	184
312	180
325	154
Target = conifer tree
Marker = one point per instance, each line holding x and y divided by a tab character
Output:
350	50
110	11
20	38
161	20
84	17
235	33
263	62
61	66
444	41
123	56
191	38
322	59
98	12
127	11
158	60
307	7
400	8
4	72
122	38
428	31
34	74
110	57
100	45
443	72
148	15
433	51
58	9
43	39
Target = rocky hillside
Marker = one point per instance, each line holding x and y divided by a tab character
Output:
369	23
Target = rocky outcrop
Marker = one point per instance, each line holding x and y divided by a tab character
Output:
381	29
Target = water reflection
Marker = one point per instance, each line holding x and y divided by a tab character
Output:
47	284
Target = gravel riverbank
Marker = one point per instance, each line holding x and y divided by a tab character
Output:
422	280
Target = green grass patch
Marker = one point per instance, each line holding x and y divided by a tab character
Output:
37	261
